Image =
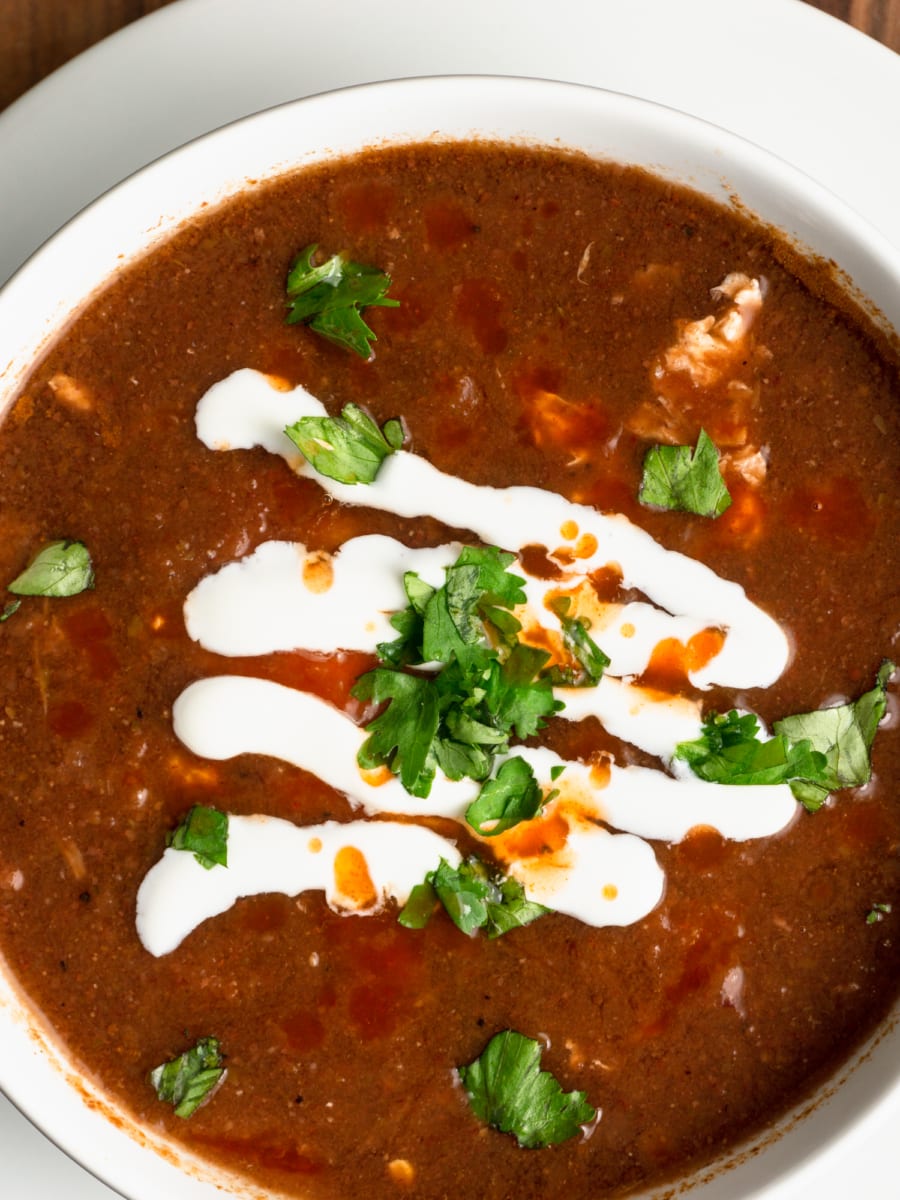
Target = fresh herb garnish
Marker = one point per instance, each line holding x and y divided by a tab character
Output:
489	688
844	734
588	662
203	832
9	609
190	1079
816	753
507	1089
62	568
349	448
685	478
328	298
513	795
475	898
877	913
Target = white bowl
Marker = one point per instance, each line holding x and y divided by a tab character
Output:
140	212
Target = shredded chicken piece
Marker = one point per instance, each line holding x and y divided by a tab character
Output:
708	379
706	348
72	393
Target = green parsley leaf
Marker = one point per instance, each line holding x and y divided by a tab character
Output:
729	751
489	687
475	898
877	913
190	1080
62	568
513	795
507	1089
349	448
401	737
589	661
328	298
816	753
843	735
203	832
685	478
9	609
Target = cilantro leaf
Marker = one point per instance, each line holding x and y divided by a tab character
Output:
513	795
190	1079
474	897
816	753
328	298
589	661
349	448
842	735
62	568
729	751
507	1089
400	737
489	687
878	912
685	478
203	832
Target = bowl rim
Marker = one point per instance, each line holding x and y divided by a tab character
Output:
22	294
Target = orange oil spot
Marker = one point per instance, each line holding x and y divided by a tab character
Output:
314	845
568	531
318	572
600	773
352	879
609	891
672	660
627	630
533	839
375	776
586	547
278	383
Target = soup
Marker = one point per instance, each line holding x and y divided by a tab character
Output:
246	815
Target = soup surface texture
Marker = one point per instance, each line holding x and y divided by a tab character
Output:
714	951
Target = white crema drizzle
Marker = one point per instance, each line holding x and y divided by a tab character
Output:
283	598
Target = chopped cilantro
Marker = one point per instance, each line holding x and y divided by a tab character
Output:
190	1079
203	832
816	753
62	568
402	736
349	448
843	734
474	897
507	1089
513	795
489	688
685	478
877	913
588	660
328	298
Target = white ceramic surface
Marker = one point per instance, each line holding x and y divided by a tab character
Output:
706	57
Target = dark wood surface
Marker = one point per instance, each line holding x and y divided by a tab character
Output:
37	36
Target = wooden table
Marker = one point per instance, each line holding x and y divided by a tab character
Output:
36	36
